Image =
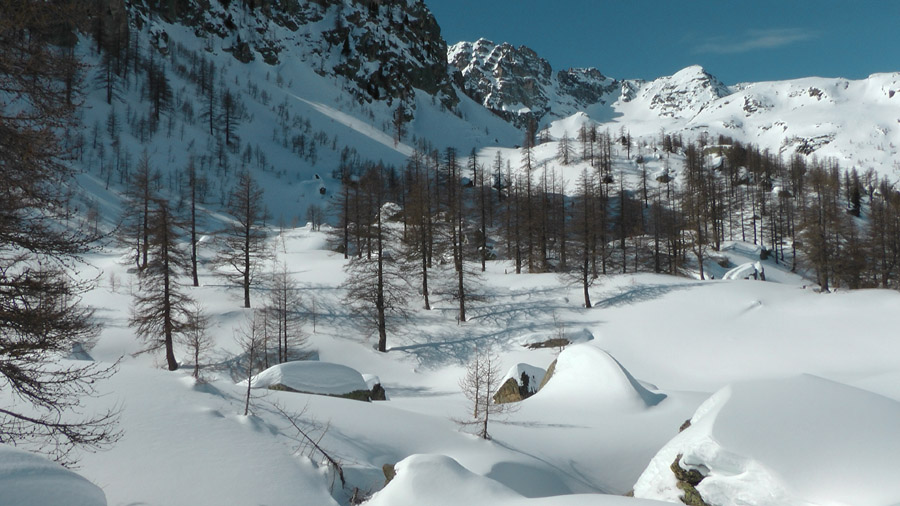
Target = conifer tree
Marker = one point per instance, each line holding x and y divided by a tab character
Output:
162	308
243	241
376	285
41	317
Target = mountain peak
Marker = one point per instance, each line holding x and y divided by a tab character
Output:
683	94
519	85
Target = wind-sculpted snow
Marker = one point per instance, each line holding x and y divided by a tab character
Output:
438	480
795	441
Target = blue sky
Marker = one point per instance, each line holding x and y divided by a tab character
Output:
737	41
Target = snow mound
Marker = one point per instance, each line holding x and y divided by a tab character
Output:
748	270
311	377
797	441
584	373
570	126
31	480
438	480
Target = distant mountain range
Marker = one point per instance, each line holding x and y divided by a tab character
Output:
856	122
385	62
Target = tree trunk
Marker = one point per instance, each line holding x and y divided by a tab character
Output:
193	183
584	281
379	296
167	299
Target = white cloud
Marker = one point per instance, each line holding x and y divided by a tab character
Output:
752	40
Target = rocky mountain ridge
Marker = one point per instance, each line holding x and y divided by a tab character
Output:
857	122
390	55
383	50
519	85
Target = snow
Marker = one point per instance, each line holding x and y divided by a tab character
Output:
311	377
187	443
745	271
573	336
587	374
791	441
438	480
661	346
569	127
30	480
358	126
784	384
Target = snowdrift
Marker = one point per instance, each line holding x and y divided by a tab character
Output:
30	480
748	270
584	373
311	377
797	441
438	480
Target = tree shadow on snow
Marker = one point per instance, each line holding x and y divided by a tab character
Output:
641	293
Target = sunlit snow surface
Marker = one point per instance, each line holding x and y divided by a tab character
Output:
311	377
30	480
653	349
661	347
793	441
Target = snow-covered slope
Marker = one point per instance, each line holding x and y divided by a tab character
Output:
313	91
590	432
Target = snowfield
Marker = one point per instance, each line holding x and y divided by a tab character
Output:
792	396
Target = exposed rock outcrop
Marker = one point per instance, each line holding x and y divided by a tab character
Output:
385	50
687	482
520	86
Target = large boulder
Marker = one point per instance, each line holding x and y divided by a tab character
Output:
520	383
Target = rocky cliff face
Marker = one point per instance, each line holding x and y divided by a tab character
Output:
519	85
683	94
385	50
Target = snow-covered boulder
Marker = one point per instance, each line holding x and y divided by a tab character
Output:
584	373
749	270
27	479
438	480
520	382
796	441
313	377
562	339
